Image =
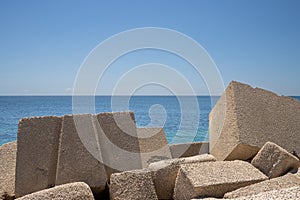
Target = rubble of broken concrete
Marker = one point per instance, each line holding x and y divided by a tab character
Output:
252	153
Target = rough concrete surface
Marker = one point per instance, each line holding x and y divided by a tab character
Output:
132	185
189	149
37	142
164	173
8	153
71	191
287	181
245	118
274	161
214	179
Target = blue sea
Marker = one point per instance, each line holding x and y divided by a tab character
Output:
180	125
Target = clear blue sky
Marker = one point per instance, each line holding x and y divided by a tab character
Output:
43	43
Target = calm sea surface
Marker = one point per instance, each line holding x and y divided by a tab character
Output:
178	116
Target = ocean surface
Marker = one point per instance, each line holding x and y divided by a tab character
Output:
184	119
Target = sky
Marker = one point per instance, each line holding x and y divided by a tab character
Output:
44	43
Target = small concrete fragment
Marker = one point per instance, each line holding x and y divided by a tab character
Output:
287	193
164	173
274	161
8	153
189	149
214	179
118	142
153	145
286	181
245	118
79	154
38	140
132	185
71	191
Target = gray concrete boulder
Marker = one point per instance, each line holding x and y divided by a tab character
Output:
71	191
118	141
189	149
37	142
287	181
164	173
75	162
244	119
214	179
7	170
153	145
287	193
132	185
274	161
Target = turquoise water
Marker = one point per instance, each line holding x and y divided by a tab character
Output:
163	110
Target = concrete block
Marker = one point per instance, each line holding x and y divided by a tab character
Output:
245	118
71	191
214	179
286	181
118	142
132	185
164	173
153	145
274	161
8	153
37	142
75	162
189	149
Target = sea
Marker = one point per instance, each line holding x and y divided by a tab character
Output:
184	118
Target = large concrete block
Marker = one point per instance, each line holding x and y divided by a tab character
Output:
79	155
244	119
131	185
37	142
287	193
118	142
274	161
164	173
7	170
153	145
214	179
71	191
287	181
189	149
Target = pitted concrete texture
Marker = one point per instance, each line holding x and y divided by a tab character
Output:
71	191
118	142
8	153
274	161
214	179
287	193
189	149
164	173
132	185
153	145
287	181
75	162
38	140
244	119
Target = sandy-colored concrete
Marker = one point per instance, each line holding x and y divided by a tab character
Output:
118	142
71	191
164	173
214	179
153	145
287	193
244	119
132	185
274	161
37	142
287	181
189	149
8	153
75	162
